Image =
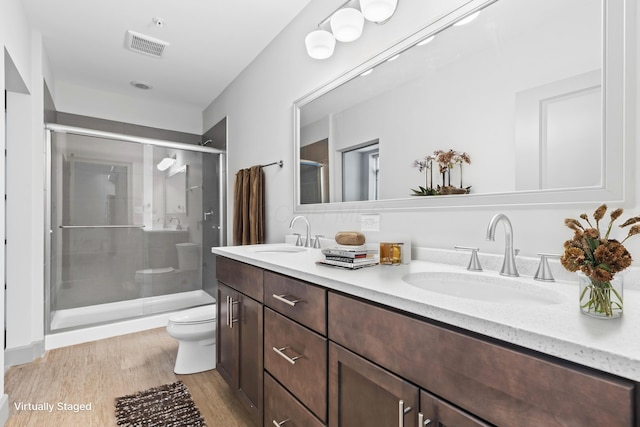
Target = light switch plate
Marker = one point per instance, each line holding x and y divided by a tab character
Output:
369	222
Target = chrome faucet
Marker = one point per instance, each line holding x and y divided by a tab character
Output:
307	239
178	227
509	263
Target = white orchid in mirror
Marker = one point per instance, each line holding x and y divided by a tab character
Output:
447	161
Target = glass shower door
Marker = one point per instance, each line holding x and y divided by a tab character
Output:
128	232
96	237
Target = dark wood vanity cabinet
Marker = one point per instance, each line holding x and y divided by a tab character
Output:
496	383
319	357
240	332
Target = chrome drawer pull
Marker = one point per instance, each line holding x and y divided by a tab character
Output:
421	421
278	424
291	360
283	299
401	412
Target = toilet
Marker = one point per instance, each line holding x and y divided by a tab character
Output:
195	330
165	280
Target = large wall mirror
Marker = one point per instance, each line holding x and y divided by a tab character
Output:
533	91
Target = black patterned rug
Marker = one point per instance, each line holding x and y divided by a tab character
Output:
168	405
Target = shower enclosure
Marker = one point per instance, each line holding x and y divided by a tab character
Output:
131	222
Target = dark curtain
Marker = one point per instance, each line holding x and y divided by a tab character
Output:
248	206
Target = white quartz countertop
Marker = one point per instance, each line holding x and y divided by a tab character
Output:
559	329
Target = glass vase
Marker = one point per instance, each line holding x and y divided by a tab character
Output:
601	299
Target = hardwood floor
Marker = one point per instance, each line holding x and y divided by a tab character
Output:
96	373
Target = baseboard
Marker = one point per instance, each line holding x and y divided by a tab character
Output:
24	354
4	409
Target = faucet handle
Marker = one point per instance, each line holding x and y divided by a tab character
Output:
298	239
316	241
543	273
474	262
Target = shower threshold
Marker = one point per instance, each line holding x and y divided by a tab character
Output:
116	311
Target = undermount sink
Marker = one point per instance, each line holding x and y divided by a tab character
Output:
483	288
277	249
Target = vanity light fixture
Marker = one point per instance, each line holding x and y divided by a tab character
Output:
320	44
378	11
346	24
166	163
467	19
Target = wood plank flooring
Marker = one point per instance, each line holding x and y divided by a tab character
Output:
97	372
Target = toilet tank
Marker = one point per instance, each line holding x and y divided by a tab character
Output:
188	256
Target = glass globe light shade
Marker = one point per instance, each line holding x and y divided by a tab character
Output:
320	44
378	10
346	24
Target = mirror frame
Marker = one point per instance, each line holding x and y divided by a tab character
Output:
618	172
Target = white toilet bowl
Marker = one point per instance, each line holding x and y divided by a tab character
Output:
195	330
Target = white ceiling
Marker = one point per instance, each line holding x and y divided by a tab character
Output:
211	42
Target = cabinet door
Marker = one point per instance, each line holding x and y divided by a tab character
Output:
249	326
363	394
227	336
438	413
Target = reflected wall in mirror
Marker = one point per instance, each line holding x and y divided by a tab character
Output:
519	88
175	188
360	171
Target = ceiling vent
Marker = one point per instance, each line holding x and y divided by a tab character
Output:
144	44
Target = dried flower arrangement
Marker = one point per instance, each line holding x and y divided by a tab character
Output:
599	258
446	162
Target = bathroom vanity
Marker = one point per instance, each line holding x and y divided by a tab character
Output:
320	346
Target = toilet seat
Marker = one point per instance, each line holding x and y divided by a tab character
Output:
194	316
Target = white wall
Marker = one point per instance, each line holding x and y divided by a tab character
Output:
4	405
259	109
25	213
16	39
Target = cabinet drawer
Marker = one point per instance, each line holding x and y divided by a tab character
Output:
443	414
297	357
499	384
300	301
279	406
240	276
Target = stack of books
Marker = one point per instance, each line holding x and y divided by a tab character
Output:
354	257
